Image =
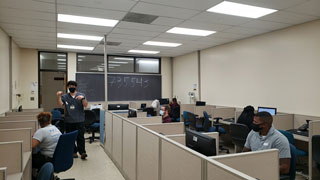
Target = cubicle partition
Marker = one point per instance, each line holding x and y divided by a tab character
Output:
147	120
283	121
141	153
22	113
18	118
33	124
3	174
187	107
223	112
199	110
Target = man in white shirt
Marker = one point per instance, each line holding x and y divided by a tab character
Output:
46	139
156	106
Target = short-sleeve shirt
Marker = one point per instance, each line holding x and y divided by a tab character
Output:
48	137
74	108
274	139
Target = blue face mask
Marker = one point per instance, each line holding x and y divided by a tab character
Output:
161	112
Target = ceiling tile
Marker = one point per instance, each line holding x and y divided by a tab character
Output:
215	18
288	17
82	27
24	21
135	32
29	5
9	27
187	4
204	26
165	11
311	8
245	31
128	37
267	25
19	13
226	35
167	21
145	27
122	5
90	12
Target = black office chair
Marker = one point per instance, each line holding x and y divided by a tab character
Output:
239	133
91	125
220	130
316	150
97	112
193	125
175	115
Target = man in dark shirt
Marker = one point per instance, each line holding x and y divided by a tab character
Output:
164	112
74	103
174	110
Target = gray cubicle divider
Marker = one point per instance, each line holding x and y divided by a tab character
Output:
199	110
17	118
283	121
143	153
33	124
22	113
224	112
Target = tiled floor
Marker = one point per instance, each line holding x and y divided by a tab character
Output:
98	166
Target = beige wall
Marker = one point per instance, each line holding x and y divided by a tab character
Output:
15	75
29	75
185	75
279	69
166	73
4	72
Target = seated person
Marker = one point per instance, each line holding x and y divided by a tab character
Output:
264	136
156	106
46	138
174	109
164	112
246	117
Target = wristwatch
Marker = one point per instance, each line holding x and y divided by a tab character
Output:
83	98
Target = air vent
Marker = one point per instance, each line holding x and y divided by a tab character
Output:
139	18
110	43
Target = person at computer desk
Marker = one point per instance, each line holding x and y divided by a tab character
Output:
46	138
246	117
164	112
264	136
174	109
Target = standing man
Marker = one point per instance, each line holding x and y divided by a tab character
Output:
74	103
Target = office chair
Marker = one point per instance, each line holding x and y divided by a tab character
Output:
207	126
193	122
292	171
57	120
59	109
239	133
186	118
91	125
175	114
97	112
290	138
316	150
63	154
220	130
46	172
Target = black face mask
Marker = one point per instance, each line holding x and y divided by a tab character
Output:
72	90
256	127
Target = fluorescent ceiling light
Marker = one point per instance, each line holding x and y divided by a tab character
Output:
80	59
87	20
118	62
61	59
61	63
157	43
61	55
79	36
110	67
143	51
114	65
123	58
80	56
75	47
237	9
188	31
147	62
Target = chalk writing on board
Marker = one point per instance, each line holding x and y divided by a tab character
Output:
128	82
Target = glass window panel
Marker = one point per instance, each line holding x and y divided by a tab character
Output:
90	63
53	61
147	65
120	64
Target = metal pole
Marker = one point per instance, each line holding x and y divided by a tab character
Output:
106	70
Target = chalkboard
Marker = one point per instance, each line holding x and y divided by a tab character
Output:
121	87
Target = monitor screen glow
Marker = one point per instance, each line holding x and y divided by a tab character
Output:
272	111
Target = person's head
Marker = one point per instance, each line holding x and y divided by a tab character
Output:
262	121
174	100
164	111
44	119
249	109
72	85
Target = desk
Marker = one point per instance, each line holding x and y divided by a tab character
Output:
301	138
221	122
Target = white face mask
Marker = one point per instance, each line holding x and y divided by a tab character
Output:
161	112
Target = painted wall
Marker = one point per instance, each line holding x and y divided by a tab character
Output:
166	72
16	100
4	72
185	77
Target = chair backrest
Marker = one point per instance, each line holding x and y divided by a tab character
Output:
56	114
292	171
90	117
288	135
239	133
192	120
63	154
60	109
206	123
176	112
185	116
46	172
316	148
97	113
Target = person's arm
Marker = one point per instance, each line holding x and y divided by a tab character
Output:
35	143
245	149
83	100
284	165
59	100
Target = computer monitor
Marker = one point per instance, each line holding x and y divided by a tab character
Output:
143	105
164	101
272	111
201	143
200	103
118	106
132	113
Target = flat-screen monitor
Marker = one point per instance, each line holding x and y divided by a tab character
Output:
132	113
200	103
272	111
143	105
118	106
164	101
201	143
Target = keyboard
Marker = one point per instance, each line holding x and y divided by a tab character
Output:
296	131
229	120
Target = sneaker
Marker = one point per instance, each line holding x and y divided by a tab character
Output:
84	156
75	155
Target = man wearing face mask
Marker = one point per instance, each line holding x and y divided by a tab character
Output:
164	112
74	103
264	136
